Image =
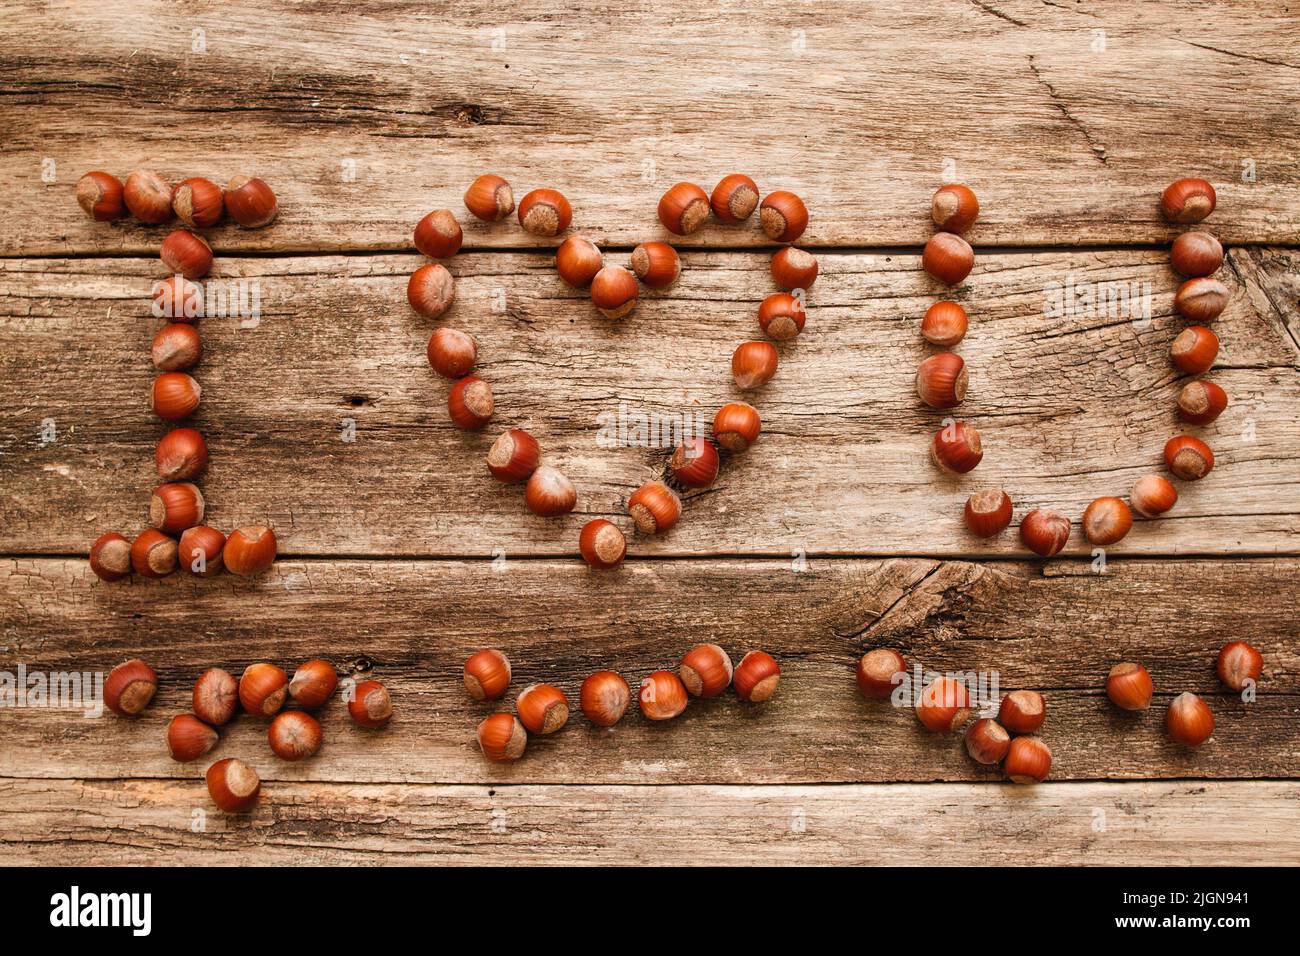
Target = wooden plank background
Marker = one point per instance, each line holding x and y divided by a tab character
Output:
832	535
128	822
1065	133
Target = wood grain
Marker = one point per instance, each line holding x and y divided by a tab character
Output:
1068	120
1070	407
131	822
412	624
363	122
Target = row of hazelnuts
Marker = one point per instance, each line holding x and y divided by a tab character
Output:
261	691
941	380
515	456
705	671
944	706
200	549
178	537
199	203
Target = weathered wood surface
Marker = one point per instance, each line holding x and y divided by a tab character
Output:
1070	408
132	822
1067	118
414	623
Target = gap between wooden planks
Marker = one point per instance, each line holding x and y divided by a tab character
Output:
1056	628
1070	407
1067	122
129	822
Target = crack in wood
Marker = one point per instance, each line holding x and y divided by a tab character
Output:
1058	101
1240	56
990	9
1280	310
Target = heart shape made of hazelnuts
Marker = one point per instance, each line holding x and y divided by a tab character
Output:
515	456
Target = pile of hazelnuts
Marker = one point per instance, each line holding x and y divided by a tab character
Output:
941	380
178	535
705	671
261	691
515	456
944	706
